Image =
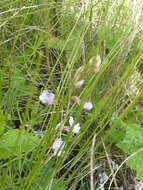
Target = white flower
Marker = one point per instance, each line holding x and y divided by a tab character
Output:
76	128
88	106
71	121
47	97
58	146
79	84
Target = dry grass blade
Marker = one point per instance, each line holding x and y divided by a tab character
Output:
110	165
92	164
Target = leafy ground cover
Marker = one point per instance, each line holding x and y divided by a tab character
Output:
71	94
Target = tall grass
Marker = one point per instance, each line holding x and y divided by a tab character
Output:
50	44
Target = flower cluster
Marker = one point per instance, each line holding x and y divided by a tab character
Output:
47	97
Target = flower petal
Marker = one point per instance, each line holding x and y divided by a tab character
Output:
58	125
58	146
58	142
71	121
76	128
47	97
88	106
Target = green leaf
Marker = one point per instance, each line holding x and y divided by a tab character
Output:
136	163
15	142
132	142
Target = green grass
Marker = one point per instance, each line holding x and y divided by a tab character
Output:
49	44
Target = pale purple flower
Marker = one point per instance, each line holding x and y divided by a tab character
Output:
47	97
88	106
58	146
79	84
